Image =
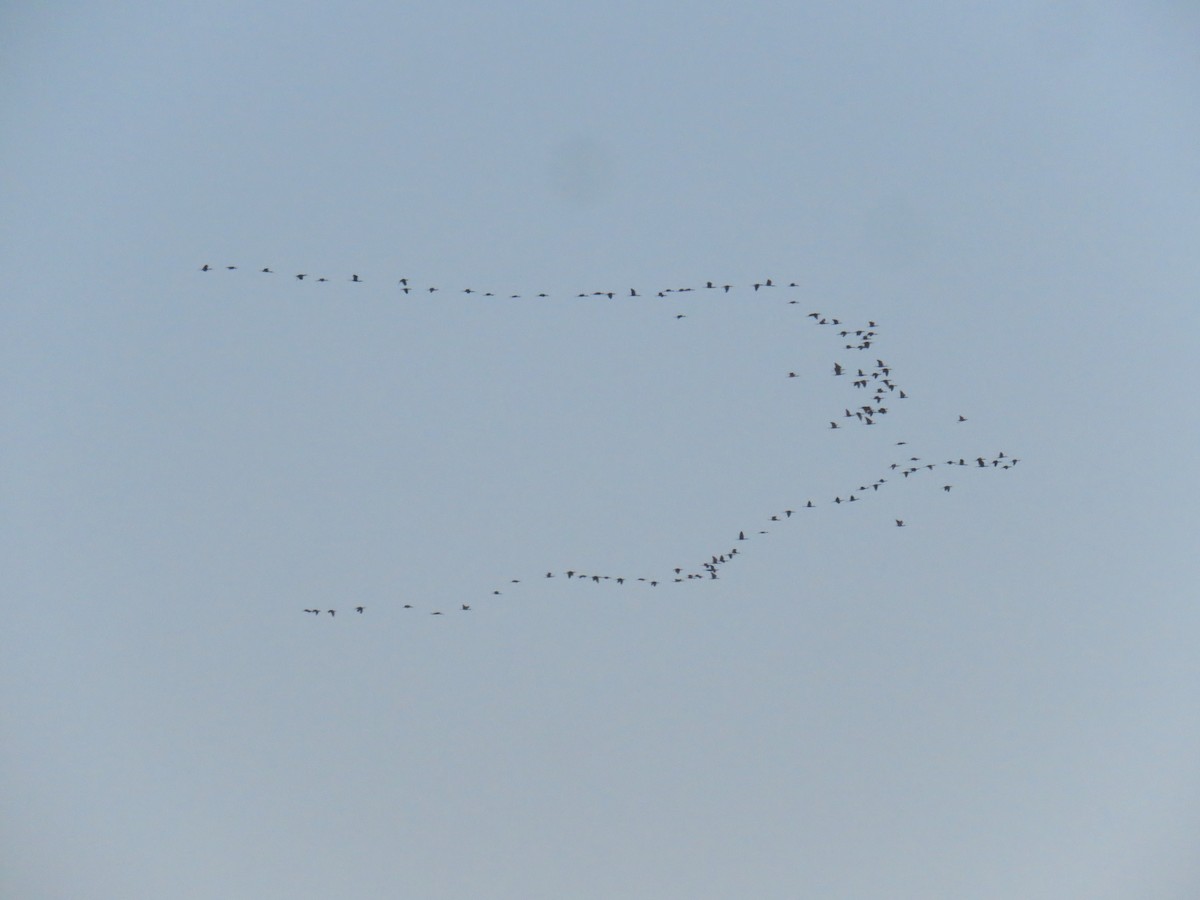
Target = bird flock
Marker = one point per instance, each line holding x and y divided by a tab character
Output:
872	381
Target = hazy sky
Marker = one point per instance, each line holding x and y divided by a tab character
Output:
1000	699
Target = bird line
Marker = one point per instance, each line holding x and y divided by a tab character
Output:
876	380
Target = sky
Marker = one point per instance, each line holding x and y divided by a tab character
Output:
996	700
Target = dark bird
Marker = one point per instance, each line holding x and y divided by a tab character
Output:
206	268
741	535
962	418
301	276
900	523
359	609
332	611
356	278
837	369
268	271
466	606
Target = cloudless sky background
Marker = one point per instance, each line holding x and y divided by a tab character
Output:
998	700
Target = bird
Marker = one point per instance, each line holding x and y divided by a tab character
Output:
899	523
356	279
359	609
331	612
206	268
466	606
301	276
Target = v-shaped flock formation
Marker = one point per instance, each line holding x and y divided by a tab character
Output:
875	380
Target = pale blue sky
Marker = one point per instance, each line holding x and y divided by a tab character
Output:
998	700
